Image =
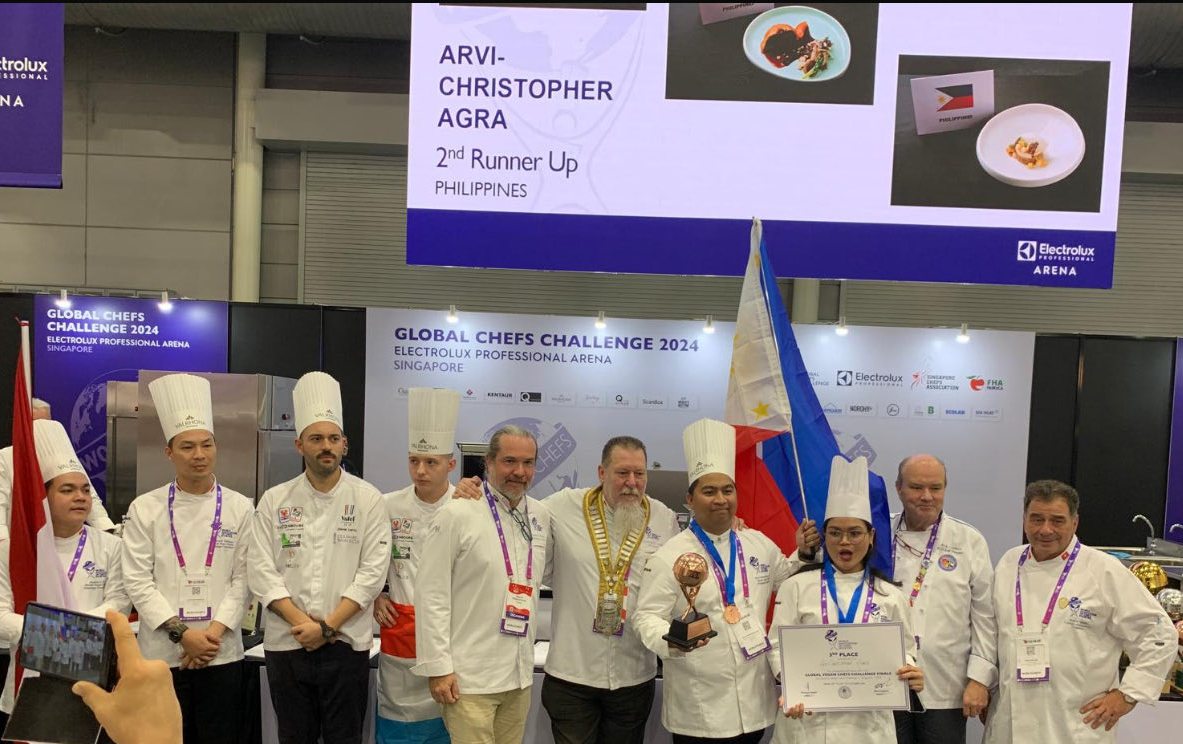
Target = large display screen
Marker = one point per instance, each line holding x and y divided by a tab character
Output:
955	143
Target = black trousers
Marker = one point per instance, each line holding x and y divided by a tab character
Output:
752	737
590	715
944	726
212	702
319	693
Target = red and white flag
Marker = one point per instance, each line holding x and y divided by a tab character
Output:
33	566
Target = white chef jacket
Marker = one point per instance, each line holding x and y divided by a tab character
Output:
98	514
577	654
953	609
712	691
1102	611
317	548
154	578
402	696
798	602
460	595
97	586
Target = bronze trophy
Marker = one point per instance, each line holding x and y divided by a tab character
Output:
690	570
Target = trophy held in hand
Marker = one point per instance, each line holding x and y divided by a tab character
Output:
690	570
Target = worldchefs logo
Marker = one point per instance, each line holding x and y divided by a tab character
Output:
554	466
1054	260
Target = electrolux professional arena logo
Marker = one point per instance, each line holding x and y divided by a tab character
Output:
23	68
1052	259
859	378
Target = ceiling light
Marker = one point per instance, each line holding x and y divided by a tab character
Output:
453	316
963	337
601	323
63	300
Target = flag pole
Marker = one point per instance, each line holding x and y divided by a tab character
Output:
758	240
25	357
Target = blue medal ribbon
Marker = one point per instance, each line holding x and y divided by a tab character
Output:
728	586
844	616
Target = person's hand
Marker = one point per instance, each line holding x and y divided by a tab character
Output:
913	676
198	646
143	707
1105	709
807	539
214	632
384	611
444	689
796	711
309	635
975	699
468	488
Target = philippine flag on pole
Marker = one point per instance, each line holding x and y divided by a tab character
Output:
35	572
771	403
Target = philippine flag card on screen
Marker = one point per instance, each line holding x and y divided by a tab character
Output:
947	102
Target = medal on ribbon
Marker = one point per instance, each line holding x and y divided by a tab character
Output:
613	589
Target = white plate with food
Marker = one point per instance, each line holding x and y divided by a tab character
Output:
798	43
1031	145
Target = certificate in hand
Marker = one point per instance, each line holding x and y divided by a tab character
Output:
843	667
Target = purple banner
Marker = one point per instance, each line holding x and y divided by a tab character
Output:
77	350
32	40
719	247
1175	467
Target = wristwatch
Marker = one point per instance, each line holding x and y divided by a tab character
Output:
328	631
176	630
1128	700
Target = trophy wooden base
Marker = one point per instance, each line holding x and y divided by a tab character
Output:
686	633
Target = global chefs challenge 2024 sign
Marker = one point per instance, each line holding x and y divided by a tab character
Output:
573	386
78	350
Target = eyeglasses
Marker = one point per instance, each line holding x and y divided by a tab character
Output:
523	525
854	535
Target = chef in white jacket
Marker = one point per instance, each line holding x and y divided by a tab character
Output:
476	598
723	689
320	550
600	678
1065	613
97	517
944	567
844	590
406	712
184	562
89	558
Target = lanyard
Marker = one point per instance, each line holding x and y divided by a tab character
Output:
925	561
726	584
1051	604
827	583
501	536
77	554
215	527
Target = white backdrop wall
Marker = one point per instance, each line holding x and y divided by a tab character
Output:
888	392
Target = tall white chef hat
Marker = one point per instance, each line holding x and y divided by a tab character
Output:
710	448
183	403
317	397
55	454
431	420
850	491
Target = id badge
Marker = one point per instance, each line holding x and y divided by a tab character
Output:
195	604
519	598
1034	660
750	635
